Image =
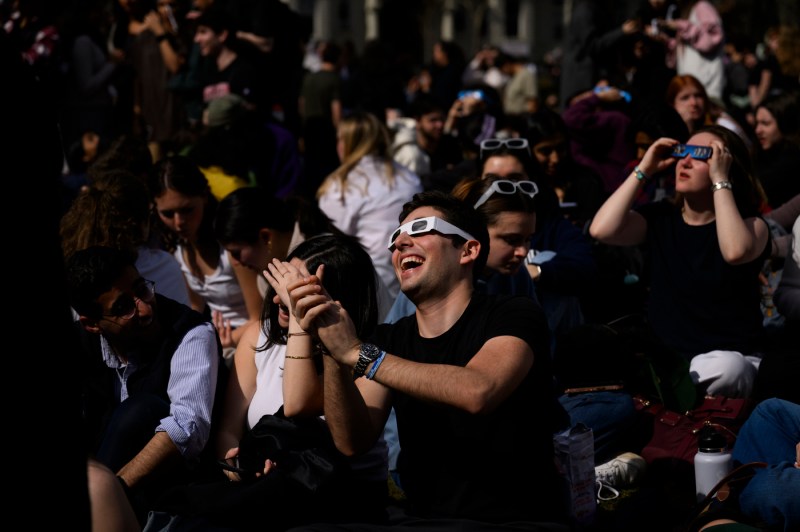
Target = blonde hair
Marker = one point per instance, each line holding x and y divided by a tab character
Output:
362	134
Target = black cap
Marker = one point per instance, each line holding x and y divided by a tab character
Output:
711	440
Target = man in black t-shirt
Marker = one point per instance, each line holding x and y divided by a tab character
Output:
468	375
235	73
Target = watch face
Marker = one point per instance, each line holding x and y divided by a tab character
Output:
369	351
366	354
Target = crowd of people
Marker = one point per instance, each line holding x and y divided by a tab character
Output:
258	229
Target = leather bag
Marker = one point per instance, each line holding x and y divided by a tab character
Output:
674	434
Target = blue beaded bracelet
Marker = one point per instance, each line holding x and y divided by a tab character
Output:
641	176
375	365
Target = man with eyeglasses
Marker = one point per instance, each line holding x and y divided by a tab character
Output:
468	375
152	375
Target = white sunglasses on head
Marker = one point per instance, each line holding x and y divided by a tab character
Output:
427	225
505	186
490	145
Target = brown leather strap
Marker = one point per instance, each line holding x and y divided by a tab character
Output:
724	481
721	491
587	389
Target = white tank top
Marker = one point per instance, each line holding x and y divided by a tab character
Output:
220	290
268	398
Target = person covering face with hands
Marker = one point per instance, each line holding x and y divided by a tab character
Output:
707	247
466	373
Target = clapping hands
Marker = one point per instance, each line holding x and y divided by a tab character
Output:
281	274
323	317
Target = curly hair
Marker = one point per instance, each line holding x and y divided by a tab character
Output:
92	271
115	215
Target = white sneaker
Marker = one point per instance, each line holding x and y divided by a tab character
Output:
624	470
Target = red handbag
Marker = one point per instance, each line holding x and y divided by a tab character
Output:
674	435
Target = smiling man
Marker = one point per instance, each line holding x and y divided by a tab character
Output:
151	371
468	375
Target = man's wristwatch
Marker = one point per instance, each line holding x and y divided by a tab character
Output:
366	354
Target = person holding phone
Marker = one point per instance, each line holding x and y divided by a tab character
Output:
706	248
473	105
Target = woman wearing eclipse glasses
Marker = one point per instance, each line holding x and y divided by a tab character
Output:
706	248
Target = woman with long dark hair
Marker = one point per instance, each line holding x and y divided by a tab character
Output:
217	282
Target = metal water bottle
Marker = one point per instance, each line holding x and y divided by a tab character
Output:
712	462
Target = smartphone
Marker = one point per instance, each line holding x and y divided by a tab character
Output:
232	464
603	88
171	18
477	94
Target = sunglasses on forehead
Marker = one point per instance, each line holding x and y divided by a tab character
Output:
490	145
701	153
505	186
427	225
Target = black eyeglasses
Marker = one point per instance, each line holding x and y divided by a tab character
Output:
125	306
700	153
490	145
505	186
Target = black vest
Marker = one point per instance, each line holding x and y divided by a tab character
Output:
152	374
